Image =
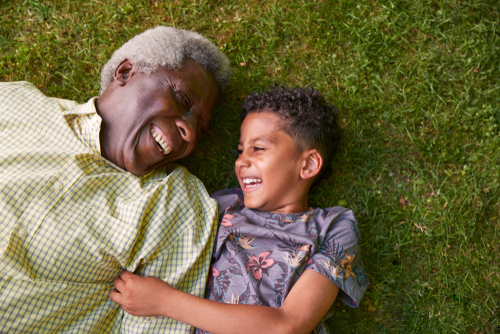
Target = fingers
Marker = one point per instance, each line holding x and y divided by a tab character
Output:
119	284
122	280
126	274
115	296
119	294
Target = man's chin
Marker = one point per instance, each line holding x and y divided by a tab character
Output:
141	171
136	169
145	168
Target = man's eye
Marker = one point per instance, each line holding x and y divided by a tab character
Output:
203	130
239	152
182	99
258	148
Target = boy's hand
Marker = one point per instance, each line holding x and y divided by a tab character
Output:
140	296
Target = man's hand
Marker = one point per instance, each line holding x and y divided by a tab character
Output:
140	296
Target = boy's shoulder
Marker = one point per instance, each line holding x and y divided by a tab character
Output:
340	223
227	198
339	211
336	214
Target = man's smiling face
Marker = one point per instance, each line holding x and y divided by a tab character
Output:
151	120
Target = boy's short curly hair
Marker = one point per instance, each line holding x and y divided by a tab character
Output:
307	118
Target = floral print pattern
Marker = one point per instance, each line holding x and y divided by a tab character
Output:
226	220
260	265
258	256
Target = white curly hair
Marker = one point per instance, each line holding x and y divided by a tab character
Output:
167	46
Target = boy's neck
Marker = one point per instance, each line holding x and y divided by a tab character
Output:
296	207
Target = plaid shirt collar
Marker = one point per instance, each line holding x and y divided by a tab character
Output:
86	124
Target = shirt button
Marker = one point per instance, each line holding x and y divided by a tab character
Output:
23	233
58	186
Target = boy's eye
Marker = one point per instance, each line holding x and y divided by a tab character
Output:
239	152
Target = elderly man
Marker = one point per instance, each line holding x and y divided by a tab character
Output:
88	190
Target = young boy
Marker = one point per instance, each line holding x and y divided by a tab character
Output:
278	265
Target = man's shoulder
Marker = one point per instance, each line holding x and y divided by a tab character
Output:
180	186
7	87
170	173
23	91
17	83
177	178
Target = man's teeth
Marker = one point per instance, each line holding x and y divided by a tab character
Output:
252	182
165	148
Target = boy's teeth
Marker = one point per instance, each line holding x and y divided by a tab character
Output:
165	148
249	181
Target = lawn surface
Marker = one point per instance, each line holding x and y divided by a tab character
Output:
417	87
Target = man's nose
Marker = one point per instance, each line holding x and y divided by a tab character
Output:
187	127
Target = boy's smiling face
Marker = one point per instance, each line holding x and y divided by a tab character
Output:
269	167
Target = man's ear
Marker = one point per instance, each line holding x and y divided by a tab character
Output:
312	163
123	72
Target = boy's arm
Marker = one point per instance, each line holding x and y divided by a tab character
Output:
306	304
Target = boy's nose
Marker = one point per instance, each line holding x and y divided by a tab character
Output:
242	161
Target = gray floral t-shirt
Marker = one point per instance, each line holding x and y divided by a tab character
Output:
258	255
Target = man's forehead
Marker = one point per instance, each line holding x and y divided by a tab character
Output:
200	80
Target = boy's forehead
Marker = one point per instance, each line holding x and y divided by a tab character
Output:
260	138
260	124
265	128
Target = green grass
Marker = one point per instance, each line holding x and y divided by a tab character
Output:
417	86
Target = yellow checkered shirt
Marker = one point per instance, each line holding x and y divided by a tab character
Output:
72	221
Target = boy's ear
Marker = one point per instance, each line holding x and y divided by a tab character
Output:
313	161
123	72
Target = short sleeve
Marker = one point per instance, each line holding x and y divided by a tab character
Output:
339	256
231	198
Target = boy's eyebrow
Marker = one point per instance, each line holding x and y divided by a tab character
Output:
265	139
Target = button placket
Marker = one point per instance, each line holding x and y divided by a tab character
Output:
58	186
23	233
